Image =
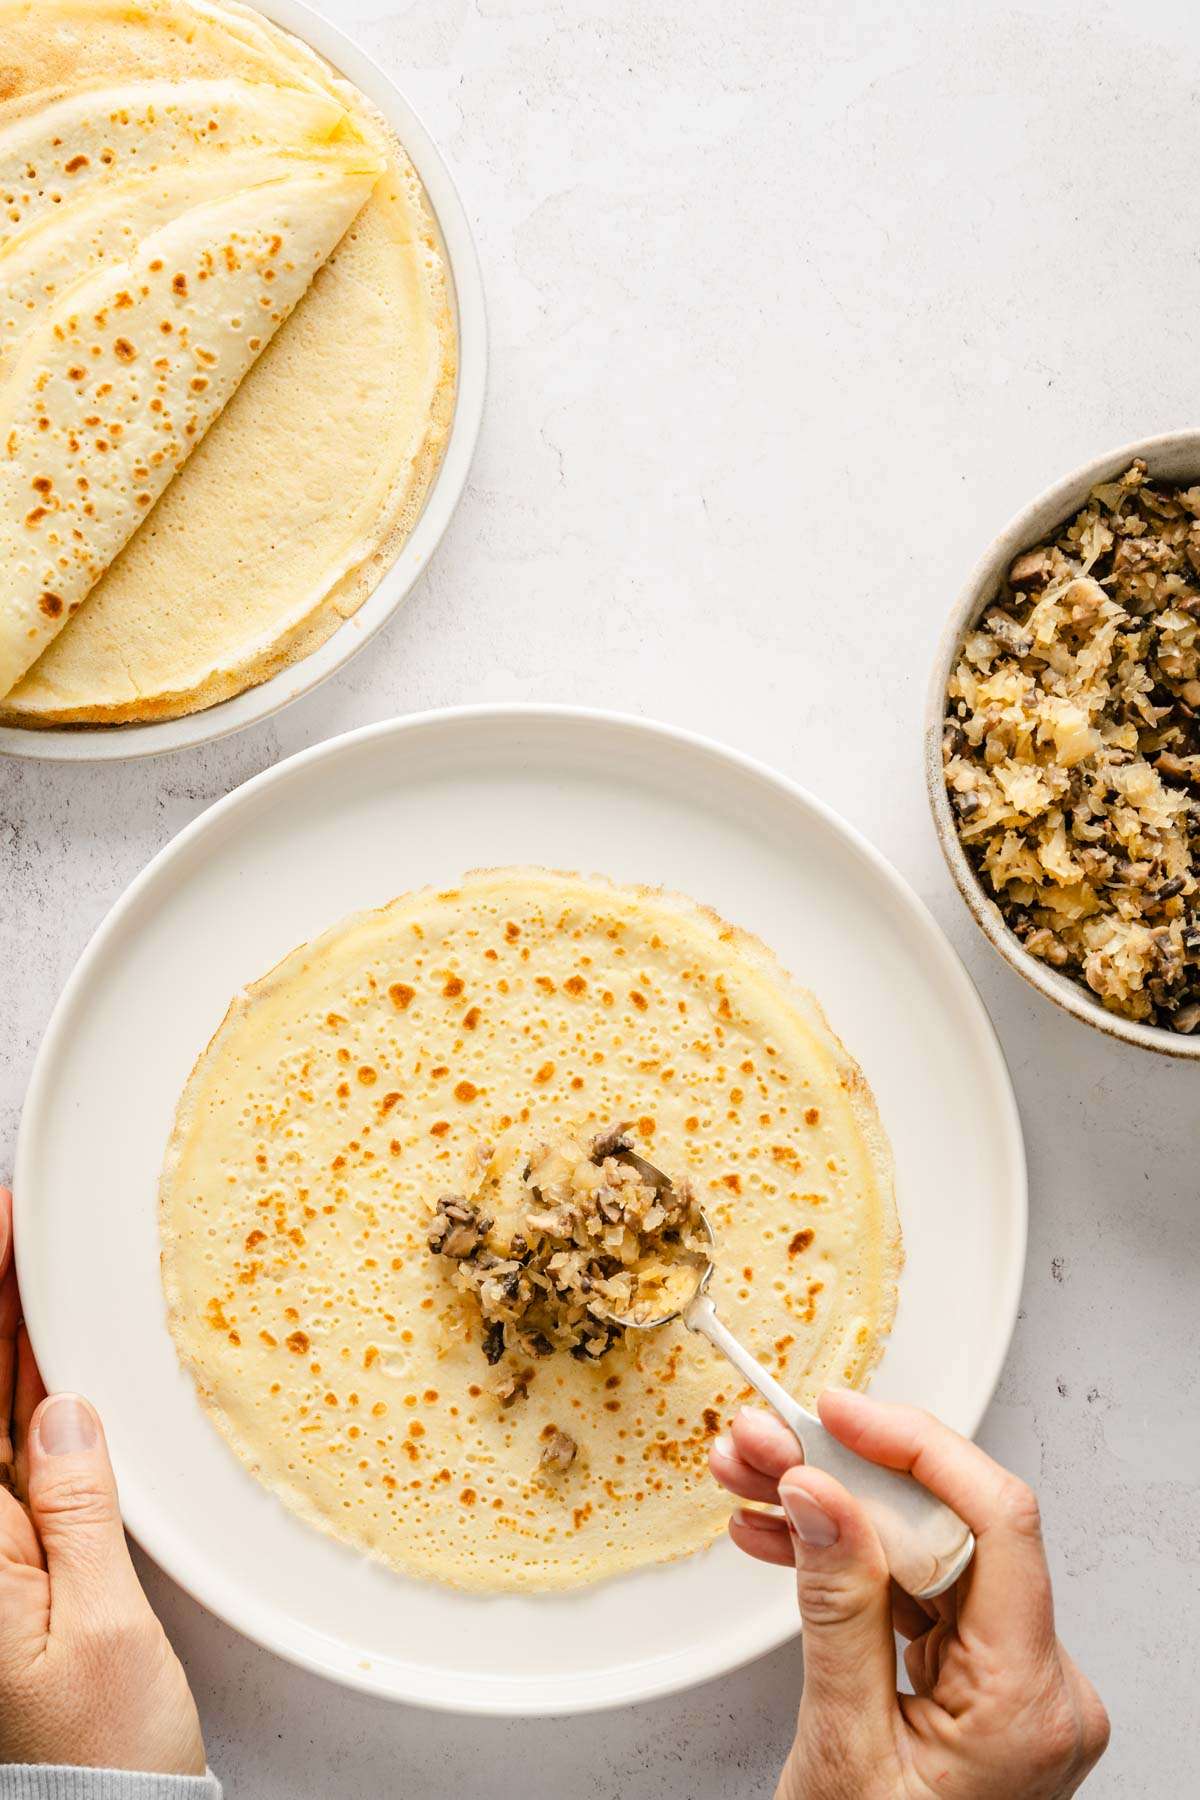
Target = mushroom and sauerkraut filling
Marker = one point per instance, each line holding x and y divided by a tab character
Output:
565	1250
1072	749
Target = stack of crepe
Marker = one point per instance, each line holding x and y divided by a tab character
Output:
188	500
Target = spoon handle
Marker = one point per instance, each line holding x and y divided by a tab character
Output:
927	1546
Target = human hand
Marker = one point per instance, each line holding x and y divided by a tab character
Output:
999	1707
87	1676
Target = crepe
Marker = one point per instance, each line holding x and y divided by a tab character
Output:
56	159
120	381
139	155
354	1084
172	105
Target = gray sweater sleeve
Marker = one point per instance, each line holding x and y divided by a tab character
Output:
55	1781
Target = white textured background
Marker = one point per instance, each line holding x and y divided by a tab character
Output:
791	306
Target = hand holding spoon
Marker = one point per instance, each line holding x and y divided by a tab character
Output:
926	1544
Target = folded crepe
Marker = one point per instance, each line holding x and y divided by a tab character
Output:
174	103
127	368
58	157
85	179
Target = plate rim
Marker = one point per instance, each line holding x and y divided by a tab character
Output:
244	1616
253	705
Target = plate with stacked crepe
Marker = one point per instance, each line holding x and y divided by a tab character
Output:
320	1144
241	365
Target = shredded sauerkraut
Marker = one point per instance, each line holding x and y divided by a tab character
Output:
1072	749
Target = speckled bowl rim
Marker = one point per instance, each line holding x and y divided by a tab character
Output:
1171	456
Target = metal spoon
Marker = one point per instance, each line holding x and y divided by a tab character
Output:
926	1544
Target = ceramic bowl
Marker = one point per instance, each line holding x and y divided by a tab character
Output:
1173	457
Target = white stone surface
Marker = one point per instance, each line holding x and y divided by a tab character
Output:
790	308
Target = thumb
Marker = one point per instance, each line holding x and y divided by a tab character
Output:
845	1602
73	1504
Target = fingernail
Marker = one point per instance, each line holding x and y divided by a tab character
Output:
756	1520
810	1522
851	1397
66	1426
724	1445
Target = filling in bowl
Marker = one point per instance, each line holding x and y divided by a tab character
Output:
1072	749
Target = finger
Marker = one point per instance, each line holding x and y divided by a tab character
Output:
739	1476
19	1545
767	1537
923	1657
24	1617
5	1230
1094	1722
917	1664
29	1392
765	1442
911	1618
10	1314
1006	1591
762	1536
843	1588
30	1388
73	1502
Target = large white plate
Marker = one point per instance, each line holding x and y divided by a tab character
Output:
89	743
348	825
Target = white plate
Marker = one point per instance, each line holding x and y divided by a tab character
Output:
107	743
348	825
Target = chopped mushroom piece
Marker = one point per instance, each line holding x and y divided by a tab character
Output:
607	1143
558	1451
593	1230
1071	749
1177	768
513	1387
458	1228
1031	569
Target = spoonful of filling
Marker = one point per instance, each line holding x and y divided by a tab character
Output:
570	1248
